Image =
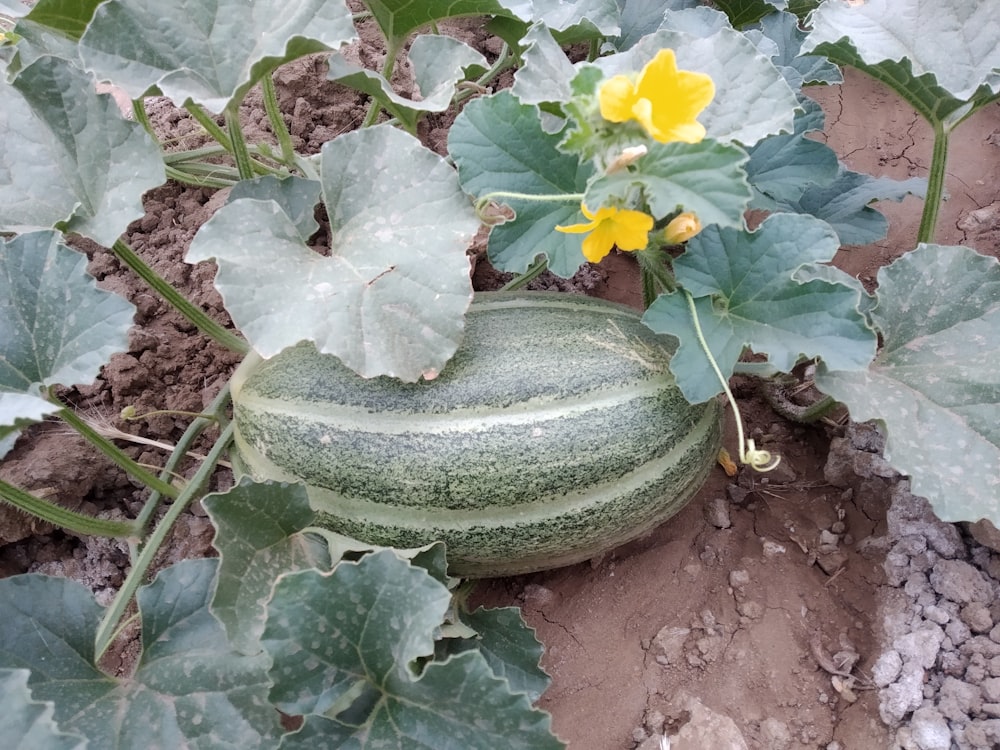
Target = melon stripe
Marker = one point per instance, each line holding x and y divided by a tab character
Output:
555	432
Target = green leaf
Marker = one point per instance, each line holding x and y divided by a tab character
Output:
843	203
546	72
498	144
341	646
189	689
18	410
398	18
259	537
68	157
509	646
748	294
438	63
211	53
597	16
782	167
783	29
936	382
66	17
752	99
954	40
27	724
296	196
706	178
56	326
390	297
745	12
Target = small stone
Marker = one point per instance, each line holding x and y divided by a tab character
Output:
737	495
838	527
831	562
886	668
920	646
936	614
977	616
774	734
995	634
773	549
750	609
990	688
958	700
717	513
670	643
902	696
739	578
960	582
930	730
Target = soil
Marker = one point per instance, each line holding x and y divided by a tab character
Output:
759	617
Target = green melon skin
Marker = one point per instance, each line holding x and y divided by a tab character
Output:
554	434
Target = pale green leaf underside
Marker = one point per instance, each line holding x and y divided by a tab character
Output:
56	325
18	410
936	383
438	62
68	158
189	688
27	724
955	40
752	99
560	15
207	52
759	302
327	654
498	144
259	537
389	299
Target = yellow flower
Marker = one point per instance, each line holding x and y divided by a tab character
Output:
681	228
610	226
664	100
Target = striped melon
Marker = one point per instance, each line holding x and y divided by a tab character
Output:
555	433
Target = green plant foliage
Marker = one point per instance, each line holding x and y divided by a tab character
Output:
17	411
935	382
438	63
706	178
954	40
259	536
399	228
153	45
498	144
69	158
27	724
355	671
748	295
189	687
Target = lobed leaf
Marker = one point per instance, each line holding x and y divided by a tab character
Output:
390	297
189	688
341	647
56	326
69	158
748	293
935	383
707	178
438	63
27	724
210	53
953	40
258	536
498	144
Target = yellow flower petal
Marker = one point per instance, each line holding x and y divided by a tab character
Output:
610	226
616	97
664	100
682	228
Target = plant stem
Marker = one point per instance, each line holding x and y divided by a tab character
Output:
278	126
392	50
210	126
935	184
535	270
112	451
188	176
244	164
109	623
78	523
215	415
656	276
552	198
194	315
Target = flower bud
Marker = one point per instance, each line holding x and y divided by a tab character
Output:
682	228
